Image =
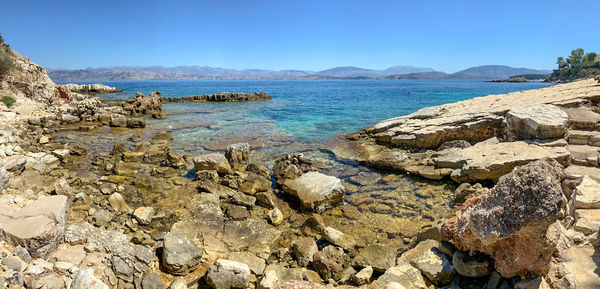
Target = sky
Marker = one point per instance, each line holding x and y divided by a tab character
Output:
308	35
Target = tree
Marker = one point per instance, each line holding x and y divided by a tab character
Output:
1	39
576	58
561	63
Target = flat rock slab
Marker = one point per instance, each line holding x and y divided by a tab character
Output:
489	160
580	260
587	194
541	121
315	191
574	171
38	227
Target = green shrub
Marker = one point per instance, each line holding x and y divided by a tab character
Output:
6	62
8	100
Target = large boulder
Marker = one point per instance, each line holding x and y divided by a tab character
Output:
39	226
226	274
180	254
510	221
316	191
541	121
141	104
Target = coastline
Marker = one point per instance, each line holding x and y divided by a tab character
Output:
230	219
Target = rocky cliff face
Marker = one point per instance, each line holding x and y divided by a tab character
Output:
27	79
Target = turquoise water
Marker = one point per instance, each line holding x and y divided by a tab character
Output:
300	109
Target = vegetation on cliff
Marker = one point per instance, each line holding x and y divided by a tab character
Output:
6	62
577	65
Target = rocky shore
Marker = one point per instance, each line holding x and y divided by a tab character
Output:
221	97
525	214
96	88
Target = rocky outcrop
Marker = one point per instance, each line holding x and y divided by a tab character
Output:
144	105
39	226
221	97
27	80
542	121
97	88
509	222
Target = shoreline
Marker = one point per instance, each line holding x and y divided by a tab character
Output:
228	219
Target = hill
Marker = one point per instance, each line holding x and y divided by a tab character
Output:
577	66
493	72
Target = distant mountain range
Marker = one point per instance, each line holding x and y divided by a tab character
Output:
347	72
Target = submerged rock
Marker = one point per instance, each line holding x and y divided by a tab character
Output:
315	191
379	257
510	221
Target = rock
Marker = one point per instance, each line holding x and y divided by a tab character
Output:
144	215
85	279
315	191
13	164
3	179
243	200
510	221
300	285
465	191
48	280
212	161
542	121
404	274
118	203
491	159
13	263
435	266
69	254
96	88
259	169
238	155
128	169
254	184
178	283
221	97
275	216
180	255
118	120
133	156
587	194
329	262
587	221
207	175
38	227
152	281
252	235
44	140
276	274
225	274
151	104
459	144
256	264
161	137
237	212
378	256
136	123
417	251
22	254
363	276
536	283
292	166
102	218
303	250
338	238
13	277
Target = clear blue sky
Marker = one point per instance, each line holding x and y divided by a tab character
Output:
448	35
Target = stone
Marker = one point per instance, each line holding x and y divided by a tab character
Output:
85	279
276	274
316	191
510	221
254	184
275	216
460	144
435	266
3	179
118	203
238	155
212	161
303	250
48	280
118	120
292	166
329	262
472	264
587	194
136	122
237	212
144	215
300	285
363	276
252	235
404	274
38	227
13	164
417	251
22	254
180	254
541	121
243	200
13	263
178	283
379	257
128	169
256	264
465	191
207	175
225	274
135	157
142	104
536	283
152	281
69	254
44	140
338	238
587	221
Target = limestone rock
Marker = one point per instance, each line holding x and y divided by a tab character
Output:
292	166
142	104
275	216
118	120
212	161
329	262
276	274
435	266
363	276
180	255
178	283
587	221
472	264
587	194
300	284
510	221
3	179
85	279
464	191
254	184
144	215
406	275
379	257
226	274
540	121
303	250
136	122
152	281
256	264
338	238
315	191
39	226
14	164
221	97
96	88
118	203
238	155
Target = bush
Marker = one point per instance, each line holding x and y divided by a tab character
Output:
6	62
8	100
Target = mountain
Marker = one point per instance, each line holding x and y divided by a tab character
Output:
433	75
494	72
351	71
